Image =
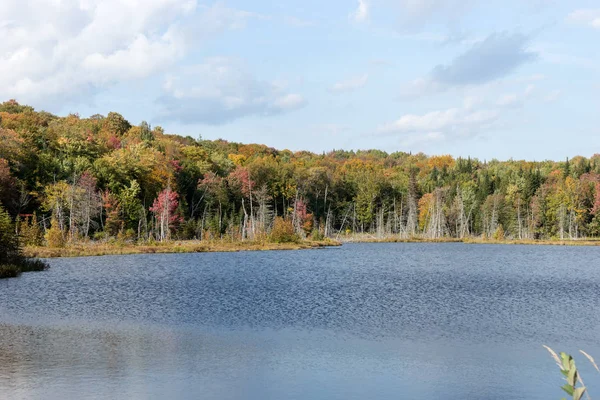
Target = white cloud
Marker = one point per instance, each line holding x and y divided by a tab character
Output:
53	52
453	119
362	11
589	17
221	90
351	84
461	122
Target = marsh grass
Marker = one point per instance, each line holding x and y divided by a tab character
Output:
366	238
575	387
186	246
547	242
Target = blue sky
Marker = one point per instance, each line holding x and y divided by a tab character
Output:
489	79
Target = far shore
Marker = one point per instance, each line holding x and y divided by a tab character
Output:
183	246
196	246
472	240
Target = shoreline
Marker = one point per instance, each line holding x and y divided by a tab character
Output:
529	242
195	246
174	247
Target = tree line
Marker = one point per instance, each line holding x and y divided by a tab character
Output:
70	179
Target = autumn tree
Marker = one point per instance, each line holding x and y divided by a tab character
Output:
166	214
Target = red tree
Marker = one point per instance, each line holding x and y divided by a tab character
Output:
165	211
240	179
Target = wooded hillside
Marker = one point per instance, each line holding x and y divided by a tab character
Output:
71	179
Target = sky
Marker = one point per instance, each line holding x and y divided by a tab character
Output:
488	79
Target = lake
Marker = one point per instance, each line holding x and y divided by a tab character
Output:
363	321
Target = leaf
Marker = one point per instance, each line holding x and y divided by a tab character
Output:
568	388
578	393
572	376
566	360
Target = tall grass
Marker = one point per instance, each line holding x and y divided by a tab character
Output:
574	386
184	246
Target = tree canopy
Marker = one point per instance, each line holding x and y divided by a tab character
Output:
102	177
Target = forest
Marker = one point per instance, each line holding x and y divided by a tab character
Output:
71	179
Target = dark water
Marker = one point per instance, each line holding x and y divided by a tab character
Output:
365	321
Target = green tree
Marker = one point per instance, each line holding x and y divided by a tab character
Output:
115	123
9	244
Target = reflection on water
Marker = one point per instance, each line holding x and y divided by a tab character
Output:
385	321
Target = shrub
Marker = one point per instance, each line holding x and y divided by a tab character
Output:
499	234
128	235
32	265
12	262
30	232
100	236
54	236
283	232
317	235
9	271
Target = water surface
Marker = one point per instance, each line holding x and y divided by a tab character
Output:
364	321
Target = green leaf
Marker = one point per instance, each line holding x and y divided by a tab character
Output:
566	360
568	388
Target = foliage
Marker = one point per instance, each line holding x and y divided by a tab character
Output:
283	231
54	235
574	385
9	244
30	232
166	214
499	233
12	262
9	271
100	177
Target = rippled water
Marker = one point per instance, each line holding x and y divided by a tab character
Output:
364	321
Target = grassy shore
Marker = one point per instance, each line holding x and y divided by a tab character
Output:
186	246
547	242
395	239
471	240
194	246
